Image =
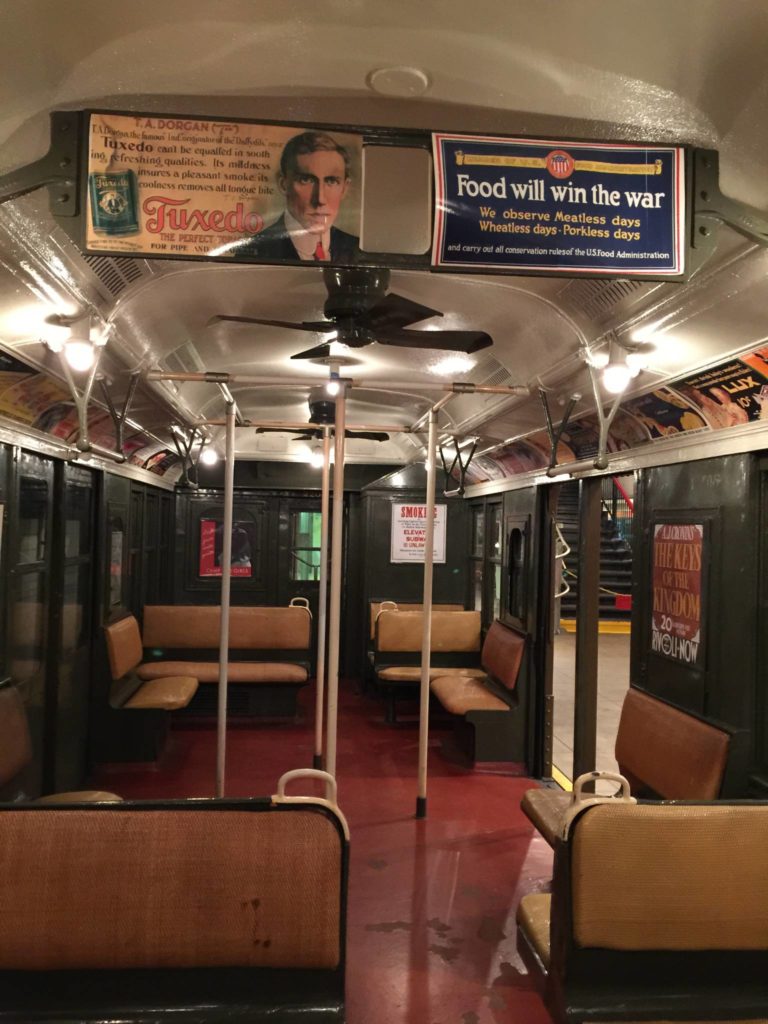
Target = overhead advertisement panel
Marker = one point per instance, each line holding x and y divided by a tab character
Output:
519	205
198	187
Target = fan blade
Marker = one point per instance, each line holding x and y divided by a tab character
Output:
319	352
310	435
367	435
395	311
317	326
450	341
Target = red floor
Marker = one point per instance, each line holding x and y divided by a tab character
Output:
431	927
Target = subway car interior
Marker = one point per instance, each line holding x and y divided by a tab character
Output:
384	511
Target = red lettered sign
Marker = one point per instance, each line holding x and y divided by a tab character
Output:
676	622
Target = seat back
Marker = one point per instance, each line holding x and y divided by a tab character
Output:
454	632
250	628
124	646
670	877
190	885
15	742
503	654
666	751
406	606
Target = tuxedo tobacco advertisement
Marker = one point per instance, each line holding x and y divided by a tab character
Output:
185	187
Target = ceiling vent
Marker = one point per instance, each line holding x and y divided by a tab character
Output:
184	359
597	300
116	274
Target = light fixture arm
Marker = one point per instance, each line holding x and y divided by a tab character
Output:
81	400
118	419
463	467
555	435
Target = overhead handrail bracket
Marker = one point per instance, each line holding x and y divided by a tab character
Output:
463	467
119	418
555	435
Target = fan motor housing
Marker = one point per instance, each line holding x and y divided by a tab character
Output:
322	408
353	291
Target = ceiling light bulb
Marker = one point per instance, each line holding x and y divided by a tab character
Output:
598	360
332	387
316	459
209	456
616	377
398	479
637	361
79	354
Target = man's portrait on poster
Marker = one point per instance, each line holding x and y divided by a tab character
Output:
314	177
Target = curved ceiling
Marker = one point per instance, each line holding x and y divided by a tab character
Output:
641	70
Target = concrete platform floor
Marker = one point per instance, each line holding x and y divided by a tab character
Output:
612	683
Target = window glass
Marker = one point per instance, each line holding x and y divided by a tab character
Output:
116	547
28	620
76	588
77	523
477	570
478	532
33	502
305	545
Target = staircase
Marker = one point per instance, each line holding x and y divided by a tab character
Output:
615	557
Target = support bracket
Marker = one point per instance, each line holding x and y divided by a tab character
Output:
184	447
59	169
118	419
463	467
555	435
709	202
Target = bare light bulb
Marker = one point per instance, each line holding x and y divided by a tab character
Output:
398	479
316	459
616	377
79	354
332	387
209	456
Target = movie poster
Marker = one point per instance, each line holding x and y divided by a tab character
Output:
676	621
212	546
187	186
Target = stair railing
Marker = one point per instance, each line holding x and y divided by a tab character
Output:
619	506
562	550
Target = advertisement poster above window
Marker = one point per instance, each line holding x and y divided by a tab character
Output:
522	205
171	186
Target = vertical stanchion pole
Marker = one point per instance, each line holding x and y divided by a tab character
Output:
226	575
334	616
426	632
317	761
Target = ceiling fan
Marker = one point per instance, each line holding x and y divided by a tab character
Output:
360	311
322	410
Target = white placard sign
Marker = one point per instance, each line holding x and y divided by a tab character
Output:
409	529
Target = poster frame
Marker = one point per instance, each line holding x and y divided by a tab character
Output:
706	518
75	222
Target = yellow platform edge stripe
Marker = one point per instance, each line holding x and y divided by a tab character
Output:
562	780
605	626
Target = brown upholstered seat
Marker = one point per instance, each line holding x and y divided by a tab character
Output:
545	808
665	751
533	916
454	632
125	651
656	908
16	751
237	672
406	606
661	751
83	796
412	673
459	695
250	628
168	694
